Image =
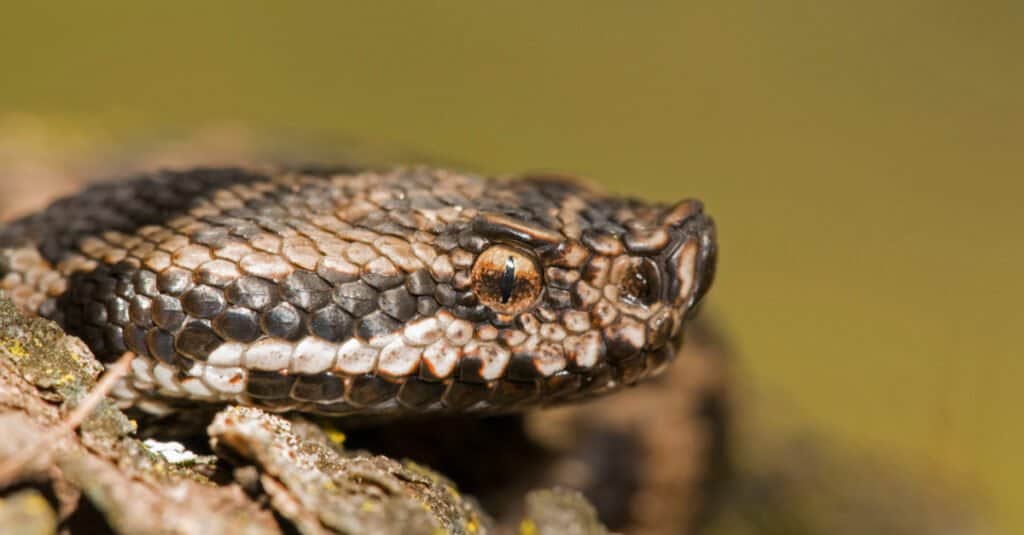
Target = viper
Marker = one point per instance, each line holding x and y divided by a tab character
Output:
364	291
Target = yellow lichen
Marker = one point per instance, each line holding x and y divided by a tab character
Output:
527	527
16	350
336	436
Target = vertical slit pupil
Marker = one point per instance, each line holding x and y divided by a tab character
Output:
508	279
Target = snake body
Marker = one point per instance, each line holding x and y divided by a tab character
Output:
360	292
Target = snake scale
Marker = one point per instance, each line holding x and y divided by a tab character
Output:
364	291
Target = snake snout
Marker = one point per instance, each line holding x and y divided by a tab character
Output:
690	259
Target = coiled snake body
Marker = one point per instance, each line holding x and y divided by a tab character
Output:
341	292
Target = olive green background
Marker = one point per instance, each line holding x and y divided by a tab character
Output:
863	160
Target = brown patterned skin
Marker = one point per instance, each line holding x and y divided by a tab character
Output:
407	290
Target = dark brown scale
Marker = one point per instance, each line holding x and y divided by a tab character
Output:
452	198
117	311
368	390
96	313
168	313
161	345
420	283
522	367
280	404
320	388
376	324
357	298
245	230
269	385
476	314
93	337
618	347
596	377
466	299
253	292
135	339
204	302
124	287
447	240
471	240
398	303
270	220
659	357
632	369
445	295
145	283
510	392
420	200
427	306
338	408
211	236
471	370
418	393
561	384
382	281
113	336
197	340
331	323
106	284
238	324
306	290
141	311
174	281
382	224
461	396
282	321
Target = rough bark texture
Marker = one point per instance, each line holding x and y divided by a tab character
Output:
101	468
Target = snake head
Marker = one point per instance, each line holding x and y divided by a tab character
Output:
589	292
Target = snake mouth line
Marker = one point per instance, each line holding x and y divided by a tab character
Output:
348	395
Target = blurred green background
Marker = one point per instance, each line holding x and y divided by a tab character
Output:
863	160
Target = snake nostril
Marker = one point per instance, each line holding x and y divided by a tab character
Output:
642	283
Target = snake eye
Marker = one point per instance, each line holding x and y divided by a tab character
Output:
641	283
506	279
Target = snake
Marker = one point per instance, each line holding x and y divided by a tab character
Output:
359	291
